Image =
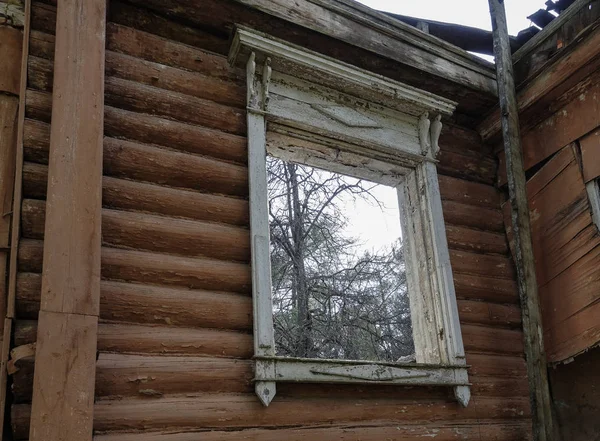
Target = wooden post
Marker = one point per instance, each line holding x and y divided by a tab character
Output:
13	83
63	394
524	259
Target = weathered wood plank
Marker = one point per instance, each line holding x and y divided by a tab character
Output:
577	118
63	394
560	217
498	432
575	335
489	313
533	342
568	69
66	348
571	292
11	51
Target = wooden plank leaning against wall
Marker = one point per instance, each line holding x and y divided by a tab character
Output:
63	392
174	343
13	53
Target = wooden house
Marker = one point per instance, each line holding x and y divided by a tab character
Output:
132	143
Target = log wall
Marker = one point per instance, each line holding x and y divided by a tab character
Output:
175	332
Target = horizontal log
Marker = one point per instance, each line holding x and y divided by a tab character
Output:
149	45
129	17
492	340
485	219
494	266
150	304
151	98
489	313
125	375
126	159
137	97
474	287
471	193
130	195
154	233
224	91
43	17
468	239
207	411
141	18
480	169
41	44
153	130
146	304
149	129
504	431
159	340
497	366
38	105
154	268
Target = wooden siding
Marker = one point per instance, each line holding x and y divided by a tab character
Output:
566	240
174	337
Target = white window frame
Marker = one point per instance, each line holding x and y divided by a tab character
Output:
332	115
593	191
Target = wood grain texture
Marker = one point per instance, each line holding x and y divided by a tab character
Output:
66	348
151	304
63	394
162	313
149	232
11	51
75	171
149	267
124	194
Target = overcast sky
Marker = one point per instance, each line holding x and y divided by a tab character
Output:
466	12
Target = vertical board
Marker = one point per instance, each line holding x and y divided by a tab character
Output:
63	392
72	251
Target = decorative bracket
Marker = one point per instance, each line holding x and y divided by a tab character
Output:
429	134
254	103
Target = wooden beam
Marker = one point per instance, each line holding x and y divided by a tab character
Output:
12	169
524	258
374	31
63	394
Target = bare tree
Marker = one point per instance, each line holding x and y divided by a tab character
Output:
332	298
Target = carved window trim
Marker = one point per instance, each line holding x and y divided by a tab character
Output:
322	112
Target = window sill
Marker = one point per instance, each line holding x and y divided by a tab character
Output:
270	370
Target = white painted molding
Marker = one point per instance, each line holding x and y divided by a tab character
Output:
593	192
334	116
327	71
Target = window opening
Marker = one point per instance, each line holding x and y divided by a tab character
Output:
339	282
